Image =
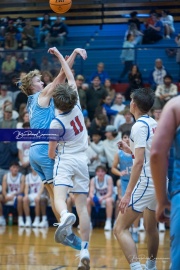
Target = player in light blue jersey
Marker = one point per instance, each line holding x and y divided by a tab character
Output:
140	193
70	169
168	132
40	106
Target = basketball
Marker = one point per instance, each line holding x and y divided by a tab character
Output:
60	6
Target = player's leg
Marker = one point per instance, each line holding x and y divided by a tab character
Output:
37	212
43	206
152	236
109	212
26	203
20	210
50	190
84	221
175	232
121	231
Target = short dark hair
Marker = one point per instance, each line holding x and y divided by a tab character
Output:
101	167
168	76
126	133
14	163
65	97
144	98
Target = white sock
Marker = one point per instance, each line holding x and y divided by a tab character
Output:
28	218
135	230
44	218
150	263
135	266
141	221
37	218
65	211
20	218
84	245
108	219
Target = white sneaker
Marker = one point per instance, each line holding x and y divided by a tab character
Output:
161	227
141	227
3	222
108	226
28	223
36	223
43	224
21	223
84	263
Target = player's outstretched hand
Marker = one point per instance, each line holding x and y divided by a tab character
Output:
123	146
124	202
82	52
53	50
161	211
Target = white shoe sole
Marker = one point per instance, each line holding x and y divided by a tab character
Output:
85	264
61	233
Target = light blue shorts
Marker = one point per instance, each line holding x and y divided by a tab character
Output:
124	184
175	232
41	163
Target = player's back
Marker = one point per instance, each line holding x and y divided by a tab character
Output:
72	129
40	117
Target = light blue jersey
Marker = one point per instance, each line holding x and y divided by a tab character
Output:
174	190
174	184
125	164
40	118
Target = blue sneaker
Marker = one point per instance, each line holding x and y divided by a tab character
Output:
135	237
66	221
73	241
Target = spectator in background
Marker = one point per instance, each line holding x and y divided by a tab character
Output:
134	19
99	124
15	114
118	103
25	44
168	23
13	190
5	95
13	87
8	154
21	98
110	146
138	35
20	23
45	64
156	76
94	94
101	193
22	65
12	29
164	92
119	120
24	120
135	81
10	42
106	103
100	72
8	67
58	33
33	64
29	32
110	90
23	152
45	27
150	19
128	121
177	40
34	196
8	121
127	55
46	78
155	32
97	145
82	93
156	113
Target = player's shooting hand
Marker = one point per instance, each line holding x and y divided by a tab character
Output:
160	211
53	50
82	52
124	202
123	146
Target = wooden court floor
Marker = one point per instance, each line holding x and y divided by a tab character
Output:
35	249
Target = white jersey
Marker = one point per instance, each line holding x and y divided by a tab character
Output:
72	129
34	182
101	187
13	183
142	134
